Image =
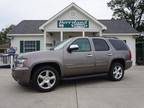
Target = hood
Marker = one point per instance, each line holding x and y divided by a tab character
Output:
40	54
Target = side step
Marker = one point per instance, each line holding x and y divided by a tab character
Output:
5	66
84	76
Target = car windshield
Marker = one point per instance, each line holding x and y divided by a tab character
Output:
62	44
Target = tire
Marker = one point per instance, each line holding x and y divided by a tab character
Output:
23	84
45	79
116	72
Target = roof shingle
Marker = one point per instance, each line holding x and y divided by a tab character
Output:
118	26
32	27
28	27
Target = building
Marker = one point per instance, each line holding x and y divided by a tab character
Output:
33	35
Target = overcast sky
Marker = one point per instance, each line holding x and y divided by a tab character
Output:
14	11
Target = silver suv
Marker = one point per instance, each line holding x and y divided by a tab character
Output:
78	57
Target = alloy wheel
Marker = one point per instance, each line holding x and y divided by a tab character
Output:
46	79
117	72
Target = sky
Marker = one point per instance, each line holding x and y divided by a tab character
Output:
14	11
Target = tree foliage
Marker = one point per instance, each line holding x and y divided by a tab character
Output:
131	10
3	34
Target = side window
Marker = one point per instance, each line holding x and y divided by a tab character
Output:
100	45
84	45
118	44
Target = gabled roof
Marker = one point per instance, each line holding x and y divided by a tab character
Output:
32	27
78	8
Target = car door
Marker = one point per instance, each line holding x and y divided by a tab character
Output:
102	54
79	61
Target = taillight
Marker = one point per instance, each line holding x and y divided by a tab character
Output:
130	55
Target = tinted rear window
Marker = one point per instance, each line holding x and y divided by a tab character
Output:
118	44
100	45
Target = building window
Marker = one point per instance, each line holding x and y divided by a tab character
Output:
29	46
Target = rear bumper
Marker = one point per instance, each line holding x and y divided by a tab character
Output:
21	74
128	64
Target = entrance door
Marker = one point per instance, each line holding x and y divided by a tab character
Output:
80	61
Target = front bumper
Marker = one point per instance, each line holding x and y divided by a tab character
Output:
21	74
128	64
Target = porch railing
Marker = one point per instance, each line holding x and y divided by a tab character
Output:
7	60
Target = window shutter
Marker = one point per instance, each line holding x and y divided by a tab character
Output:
21	46
38	45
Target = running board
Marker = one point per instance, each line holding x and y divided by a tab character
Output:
84	76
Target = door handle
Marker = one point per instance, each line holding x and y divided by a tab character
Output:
109	54
89	55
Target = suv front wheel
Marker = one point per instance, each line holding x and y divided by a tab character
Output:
116	72
45	79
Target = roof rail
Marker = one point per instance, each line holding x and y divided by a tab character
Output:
110	37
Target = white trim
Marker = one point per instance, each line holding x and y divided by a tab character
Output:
74	31
121	34
67	8
24	34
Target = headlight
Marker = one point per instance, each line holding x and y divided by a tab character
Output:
21	62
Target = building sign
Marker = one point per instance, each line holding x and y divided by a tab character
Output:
73	24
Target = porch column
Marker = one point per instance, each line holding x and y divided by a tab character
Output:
45	40
100	33
83	33
61	35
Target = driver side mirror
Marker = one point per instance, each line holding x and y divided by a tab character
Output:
73	47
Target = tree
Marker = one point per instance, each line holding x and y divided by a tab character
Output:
3	34
131	10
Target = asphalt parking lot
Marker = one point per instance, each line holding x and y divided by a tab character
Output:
87	93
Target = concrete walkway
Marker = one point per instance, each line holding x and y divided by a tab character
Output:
86	93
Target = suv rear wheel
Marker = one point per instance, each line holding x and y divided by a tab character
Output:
116	72
45	79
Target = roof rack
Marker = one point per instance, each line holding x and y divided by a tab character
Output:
110	37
